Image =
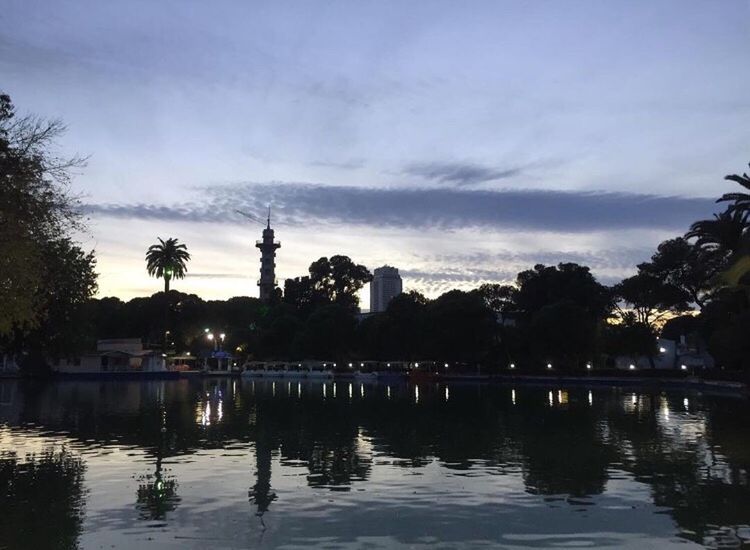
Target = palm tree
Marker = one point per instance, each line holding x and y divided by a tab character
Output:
741	200
167	259
723	233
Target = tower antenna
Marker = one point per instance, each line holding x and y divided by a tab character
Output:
251	217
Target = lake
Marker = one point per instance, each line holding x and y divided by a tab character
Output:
229	463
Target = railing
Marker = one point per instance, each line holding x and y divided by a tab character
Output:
277	244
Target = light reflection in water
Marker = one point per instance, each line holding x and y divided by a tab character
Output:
361	390
665	408
286	462
206	418
351	393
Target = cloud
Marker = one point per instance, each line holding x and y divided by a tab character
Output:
215	276
459	173
427	208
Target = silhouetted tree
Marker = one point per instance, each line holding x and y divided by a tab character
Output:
687	267
741	201
546	285
460	327
38	214
723	234
651	298
167	260
331	281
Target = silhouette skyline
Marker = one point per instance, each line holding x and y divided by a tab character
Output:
499	137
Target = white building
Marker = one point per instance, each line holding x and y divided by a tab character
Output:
121	355
386	285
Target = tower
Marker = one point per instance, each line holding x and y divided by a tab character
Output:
386	285
268	246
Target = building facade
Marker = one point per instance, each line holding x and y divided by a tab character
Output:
386	284
267	246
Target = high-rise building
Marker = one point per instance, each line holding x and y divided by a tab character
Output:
386	285
268	246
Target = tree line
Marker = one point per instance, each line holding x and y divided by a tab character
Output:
696	284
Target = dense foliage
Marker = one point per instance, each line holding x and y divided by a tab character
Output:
45	277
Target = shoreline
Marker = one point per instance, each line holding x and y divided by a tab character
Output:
650	382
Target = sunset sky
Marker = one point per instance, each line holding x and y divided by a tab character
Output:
458	141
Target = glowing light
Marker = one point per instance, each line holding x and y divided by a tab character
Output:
388	391
205	330
512	365
446	366
686	403
447	394
551	399
299	389
361	364
549	365
187	353
634	399
513	396
588	366
416	365
416	394
351	365
361	390
389	365
273	388
350	390
662	350
324	391
210	336
222	336
591	398
334	389
683	367
559	396
632	367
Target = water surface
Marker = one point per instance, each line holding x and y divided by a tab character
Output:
220	463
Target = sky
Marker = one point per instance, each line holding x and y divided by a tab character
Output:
461	142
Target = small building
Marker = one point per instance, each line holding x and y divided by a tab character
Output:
671	354
122	355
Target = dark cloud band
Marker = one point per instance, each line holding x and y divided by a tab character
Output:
420	208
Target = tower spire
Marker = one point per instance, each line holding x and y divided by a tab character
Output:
268	247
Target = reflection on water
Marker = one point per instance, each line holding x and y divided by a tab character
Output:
228	463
